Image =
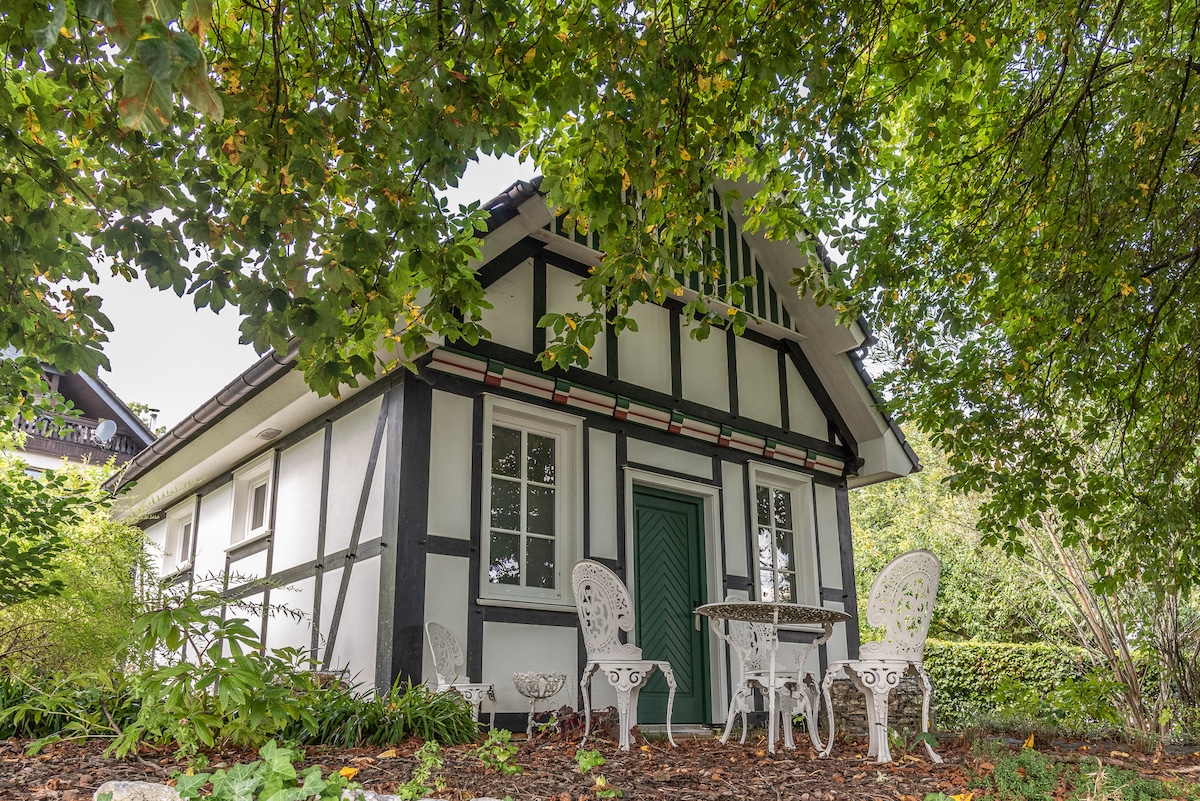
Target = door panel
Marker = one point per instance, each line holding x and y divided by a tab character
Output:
668	533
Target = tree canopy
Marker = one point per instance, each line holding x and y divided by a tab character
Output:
1012	184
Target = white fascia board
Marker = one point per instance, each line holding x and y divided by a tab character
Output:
286	405
884	458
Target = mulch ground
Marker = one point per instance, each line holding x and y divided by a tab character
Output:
697	770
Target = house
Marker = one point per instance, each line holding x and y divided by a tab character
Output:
464	493
105	429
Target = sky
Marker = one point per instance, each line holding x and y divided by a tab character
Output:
171	357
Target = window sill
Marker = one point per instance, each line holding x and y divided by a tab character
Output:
526	603
240	544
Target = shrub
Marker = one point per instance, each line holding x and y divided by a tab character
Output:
219	687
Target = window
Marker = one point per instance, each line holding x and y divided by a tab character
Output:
530	503
177	547
252	500
785	539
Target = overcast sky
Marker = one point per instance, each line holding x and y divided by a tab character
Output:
173	358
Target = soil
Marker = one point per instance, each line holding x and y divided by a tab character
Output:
699	769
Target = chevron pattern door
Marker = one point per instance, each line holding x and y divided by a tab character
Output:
668	534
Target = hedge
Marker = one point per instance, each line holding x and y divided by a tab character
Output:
967	674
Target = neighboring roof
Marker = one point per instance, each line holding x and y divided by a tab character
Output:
504	208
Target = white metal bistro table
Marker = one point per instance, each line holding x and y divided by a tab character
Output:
776	615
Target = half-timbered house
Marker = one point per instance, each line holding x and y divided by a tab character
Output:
464	493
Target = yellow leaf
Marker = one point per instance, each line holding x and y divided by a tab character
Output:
449	109
970	37
388	754
963	796
683	154
529	54
348	772
1028	742
1041	36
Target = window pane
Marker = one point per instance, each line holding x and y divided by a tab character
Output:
539	510
540	555
766	558
506	452
783	509
764	506
258	507
506	504
541	459
505	558
783	550
785	587
766	583
185	542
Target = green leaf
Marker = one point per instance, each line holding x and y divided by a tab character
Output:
161	10
197	18
145	103
126	21
47	35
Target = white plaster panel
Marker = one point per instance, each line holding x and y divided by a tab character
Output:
298	502
562	295
446	586
733	487
155	538
602	477
349	452
804	415
644	356
450	465
252	567
354	648
510	320
758	382
837	646
827	536
655	455
510	648
706	369
212	531
286	630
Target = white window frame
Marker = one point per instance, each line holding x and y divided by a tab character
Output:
567	431
177	549
804	529
259	473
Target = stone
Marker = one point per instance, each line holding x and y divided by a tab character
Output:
137	791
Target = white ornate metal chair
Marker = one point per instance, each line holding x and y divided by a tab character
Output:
605	609
447	657
901	602
796	691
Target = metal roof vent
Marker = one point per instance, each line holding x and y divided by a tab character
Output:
269	433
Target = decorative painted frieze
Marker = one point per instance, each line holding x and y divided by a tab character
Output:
495	373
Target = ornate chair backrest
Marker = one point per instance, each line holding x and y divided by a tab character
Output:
749	640
901	602
604	610
447	655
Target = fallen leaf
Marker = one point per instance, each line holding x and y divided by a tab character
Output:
388	754
1028	742
348	772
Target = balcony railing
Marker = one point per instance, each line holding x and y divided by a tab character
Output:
78	431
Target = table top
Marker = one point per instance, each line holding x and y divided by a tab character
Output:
765	612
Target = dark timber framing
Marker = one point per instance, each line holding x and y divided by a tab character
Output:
408	610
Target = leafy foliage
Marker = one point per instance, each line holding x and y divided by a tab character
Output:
297	177
34	512
272	777
968	675
497	753
228	690
984	593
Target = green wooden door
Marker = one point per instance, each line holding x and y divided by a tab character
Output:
668	536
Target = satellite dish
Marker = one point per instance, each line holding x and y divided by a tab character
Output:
105	431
